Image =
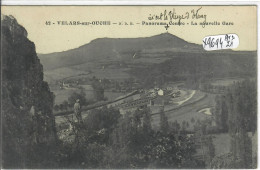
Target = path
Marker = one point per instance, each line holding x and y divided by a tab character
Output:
188	98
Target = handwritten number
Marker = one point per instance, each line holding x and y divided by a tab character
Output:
229	39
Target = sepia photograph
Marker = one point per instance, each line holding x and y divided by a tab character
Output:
129	87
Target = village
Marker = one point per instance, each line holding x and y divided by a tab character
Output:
153	98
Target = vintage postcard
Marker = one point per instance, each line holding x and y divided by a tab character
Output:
116	87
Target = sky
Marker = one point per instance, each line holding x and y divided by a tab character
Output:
56	38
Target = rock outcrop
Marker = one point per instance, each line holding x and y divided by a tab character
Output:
27	102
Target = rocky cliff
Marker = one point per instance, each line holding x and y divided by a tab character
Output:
27	102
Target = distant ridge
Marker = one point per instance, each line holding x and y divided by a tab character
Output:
116	49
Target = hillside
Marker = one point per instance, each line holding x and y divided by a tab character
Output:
199	68
116	49
164	54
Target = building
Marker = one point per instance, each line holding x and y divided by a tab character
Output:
160	92
133	105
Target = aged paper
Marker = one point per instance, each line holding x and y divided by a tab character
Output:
129	86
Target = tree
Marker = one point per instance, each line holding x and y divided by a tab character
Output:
225	161
192	120
171	151
187	124
65	104
183	126
98	89
163	121
176	126
221	113
224	114
147	127
204	141
210	151
217	111
101	122
239	112
81	95
61	106
56	107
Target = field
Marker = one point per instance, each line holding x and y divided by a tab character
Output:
110	73
225	82
51	76
87	70
63	94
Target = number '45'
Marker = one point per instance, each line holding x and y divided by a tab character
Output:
48	23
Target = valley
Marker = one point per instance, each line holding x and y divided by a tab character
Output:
161	73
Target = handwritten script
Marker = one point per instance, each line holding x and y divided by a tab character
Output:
194	14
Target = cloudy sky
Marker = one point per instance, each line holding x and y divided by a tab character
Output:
56	38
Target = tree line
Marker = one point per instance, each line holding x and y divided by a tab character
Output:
236	113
